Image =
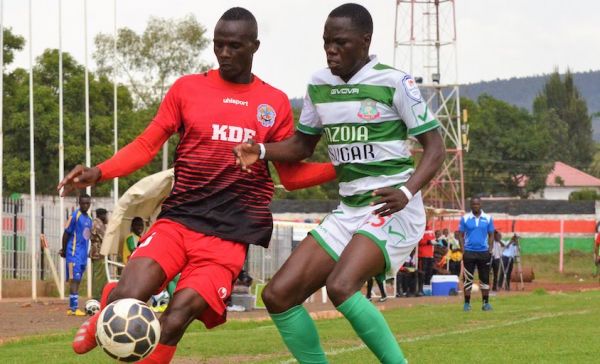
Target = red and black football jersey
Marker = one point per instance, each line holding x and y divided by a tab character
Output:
211	194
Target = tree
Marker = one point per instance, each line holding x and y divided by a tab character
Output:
45	79
564	111
585	194
150	62
508	151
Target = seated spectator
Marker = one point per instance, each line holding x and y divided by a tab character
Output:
381	286
454	255
241	286
439	258
133	239
406	278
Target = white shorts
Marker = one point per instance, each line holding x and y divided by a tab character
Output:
397	235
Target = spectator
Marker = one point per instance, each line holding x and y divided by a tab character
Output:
241	286
98	230
508	257
426	257
133	239
440	264
406	278
496	258
380	284
455	254
597	253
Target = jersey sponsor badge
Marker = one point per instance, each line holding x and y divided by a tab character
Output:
368	110
411	88
222	292
265	114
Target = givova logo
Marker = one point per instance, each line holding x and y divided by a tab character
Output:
345	91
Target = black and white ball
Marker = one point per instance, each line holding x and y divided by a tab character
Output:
91	307
127	330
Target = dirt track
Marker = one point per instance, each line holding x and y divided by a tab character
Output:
21	317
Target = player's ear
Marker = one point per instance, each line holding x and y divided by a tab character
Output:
256	45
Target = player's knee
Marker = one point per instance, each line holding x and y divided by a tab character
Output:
340	289
276	297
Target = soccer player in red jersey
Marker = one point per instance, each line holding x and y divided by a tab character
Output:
214	210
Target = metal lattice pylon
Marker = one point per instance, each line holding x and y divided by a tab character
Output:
425	46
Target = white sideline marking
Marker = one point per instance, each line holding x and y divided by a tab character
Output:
456	332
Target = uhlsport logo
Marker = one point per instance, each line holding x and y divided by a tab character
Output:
265	114
368	110
229	100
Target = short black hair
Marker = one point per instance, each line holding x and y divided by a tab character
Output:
241	14
358	14
101	211
83	195
137	220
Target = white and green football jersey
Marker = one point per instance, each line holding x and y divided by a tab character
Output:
366	122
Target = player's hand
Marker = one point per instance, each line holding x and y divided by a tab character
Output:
79	177
61	253
393	200
246	154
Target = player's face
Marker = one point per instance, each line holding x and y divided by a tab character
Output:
346	48
84	204
475	205
234	48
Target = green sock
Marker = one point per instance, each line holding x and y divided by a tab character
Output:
372	328
299	334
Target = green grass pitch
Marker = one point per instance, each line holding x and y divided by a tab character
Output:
531	328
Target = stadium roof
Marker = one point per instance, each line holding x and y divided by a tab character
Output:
563	175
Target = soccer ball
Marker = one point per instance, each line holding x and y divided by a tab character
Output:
91	307
127	330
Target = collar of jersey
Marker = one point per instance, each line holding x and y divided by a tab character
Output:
215	77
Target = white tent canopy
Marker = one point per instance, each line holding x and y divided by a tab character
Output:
143	199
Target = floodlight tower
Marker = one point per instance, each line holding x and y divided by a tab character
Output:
425	46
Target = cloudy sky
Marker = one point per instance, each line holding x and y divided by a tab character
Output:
495	39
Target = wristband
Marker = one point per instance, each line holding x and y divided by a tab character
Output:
407	192
263	151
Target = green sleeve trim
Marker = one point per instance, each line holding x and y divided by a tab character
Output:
381	245
309	130
324	245
430	125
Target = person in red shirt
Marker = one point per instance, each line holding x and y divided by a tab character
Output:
214	210
597	253
426	248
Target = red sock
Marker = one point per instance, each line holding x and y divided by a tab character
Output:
161	355
105	292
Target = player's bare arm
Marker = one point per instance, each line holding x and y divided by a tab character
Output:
296	148
130	158
393	199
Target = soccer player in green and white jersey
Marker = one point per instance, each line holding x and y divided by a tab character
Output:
366	111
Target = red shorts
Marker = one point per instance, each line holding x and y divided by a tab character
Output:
207	264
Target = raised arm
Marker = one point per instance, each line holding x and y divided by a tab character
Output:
130	158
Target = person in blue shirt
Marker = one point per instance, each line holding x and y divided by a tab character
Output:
476	235
75	244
